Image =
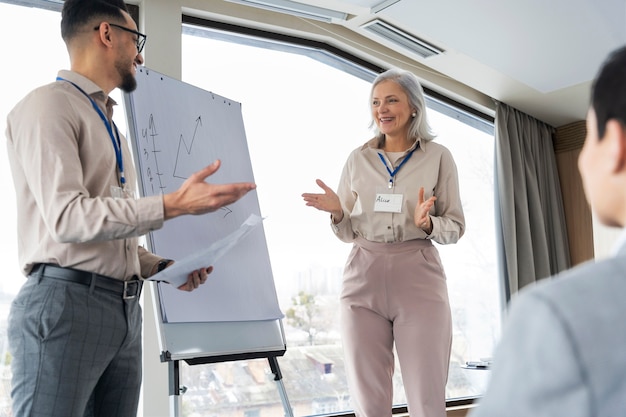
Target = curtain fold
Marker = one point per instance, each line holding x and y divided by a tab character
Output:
534	243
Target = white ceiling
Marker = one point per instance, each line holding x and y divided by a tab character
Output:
536	55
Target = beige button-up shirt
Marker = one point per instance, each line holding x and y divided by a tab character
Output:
364	176
64	165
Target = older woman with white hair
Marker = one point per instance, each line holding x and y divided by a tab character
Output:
397	193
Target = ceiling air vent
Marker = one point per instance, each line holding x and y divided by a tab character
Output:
401	38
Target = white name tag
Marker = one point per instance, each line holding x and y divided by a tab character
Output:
119	192
388	203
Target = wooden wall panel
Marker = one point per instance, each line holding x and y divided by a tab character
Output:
568	141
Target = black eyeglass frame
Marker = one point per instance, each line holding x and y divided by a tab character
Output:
141	38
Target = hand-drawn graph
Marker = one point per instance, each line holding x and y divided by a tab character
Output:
176	130
183	165
149	135
179	168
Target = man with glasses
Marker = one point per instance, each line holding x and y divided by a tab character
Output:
75	326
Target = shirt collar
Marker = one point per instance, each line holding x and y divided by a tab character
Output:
620	244
375	144
87	85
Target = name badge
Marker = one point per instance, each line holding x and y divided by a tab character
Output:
388	203
119	192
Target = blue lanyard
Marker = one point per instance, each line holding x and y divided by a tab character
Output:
116	143
395	171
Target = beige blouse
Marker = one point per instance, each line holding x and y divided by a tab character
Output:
365	176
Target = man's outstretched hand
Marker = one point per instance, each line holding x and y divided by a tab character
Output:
196	196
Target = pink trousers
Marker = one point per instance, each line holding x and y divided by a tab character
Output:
396	292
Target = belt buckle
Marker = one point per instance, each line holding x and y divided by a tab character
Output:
135	290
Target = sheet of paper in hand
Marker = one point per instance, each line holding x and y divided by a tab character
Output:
177	273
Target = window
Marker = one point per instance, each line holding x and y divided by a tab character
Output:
304	111
38	57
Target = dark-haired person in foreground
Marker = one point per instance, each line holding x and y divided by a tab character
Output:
562	350
75	326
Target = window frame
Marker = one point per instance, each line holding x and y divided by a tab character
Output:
467	114
342	60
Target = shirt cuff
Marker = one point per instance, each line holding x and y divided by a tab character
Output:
150	213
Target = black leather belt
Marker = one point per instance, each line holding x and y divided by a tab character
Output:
127	289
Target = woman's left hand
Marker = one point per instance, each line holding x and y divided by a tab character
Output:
421	217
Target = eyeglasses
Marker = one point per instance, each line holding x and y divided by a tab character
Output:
141	38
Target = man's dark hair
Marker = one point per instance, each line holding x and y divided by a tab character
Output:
78	13
608	92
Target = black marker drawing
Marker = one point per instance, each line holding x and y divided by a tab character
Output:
180	165
150	135
188	147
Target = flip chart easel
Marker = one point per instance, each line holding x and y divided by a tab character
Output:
176	129
256	340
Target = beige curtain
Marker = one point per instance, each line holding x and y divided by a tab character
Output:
533	241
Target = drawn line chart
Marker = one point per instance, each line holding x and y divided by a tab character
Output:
184	152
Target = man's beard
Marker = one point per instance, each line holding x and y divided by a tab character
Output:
129	83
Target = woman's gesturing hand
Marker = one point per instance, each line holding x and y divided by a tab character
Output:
421	217
329	201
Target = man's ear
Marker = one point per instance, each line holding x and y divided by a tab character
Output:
104	32
615	134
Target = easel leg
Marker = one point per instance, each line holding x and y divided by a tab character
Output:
174	389
281	387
